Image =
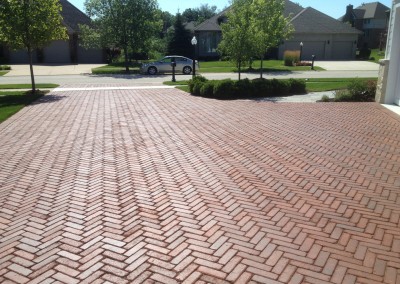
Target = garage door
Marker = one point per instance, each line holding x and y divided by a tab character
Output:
20	57
342	50
57	52
90	55
310	48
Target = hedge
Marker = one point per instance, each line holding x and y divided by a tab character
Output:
229	89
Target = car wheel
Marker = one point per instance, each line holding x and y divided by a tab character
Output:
152	70
187	70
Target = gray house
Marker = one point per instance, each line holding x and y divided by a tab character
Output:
372	19
321	35
60	52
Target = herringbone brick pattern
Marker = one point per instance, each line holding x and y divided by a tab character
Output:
156	186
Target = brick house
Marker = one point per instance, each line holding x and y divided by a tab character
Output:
370	18
60	52
322	35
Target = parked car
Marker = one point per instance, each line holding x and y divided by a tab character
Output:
183	64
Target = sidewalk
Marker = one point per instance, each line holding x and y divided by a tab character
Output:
51	70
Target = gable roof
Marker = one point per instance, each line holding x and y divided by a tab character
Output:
304	20
212	24
371	10
73	17
312	21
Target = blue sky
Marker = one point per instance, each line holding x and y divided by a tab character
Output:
334	9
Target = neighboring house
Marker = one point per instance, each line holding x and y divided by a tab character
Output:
388	91
372	20
60	52
322	36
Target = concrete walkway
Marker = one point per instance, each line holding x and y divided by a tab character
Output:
156	186
51	70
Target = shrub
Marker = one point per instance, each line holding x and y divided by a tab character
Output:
364	53
304	63
291	57
224	89
362	91
297	86
244	88
228	89
196	84
207	89
325	99
357	91
5	67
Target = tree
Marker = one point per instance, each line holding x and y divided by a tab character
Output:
199	14
180	40
269	26
31	25
125	24
237	41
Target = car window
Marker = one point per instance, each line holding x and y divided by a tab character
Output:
181	59
166	60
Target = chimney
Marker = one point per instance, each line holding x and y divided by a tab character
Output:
348	18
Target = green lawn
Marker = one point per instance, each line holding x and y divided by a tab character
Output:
312	85
331	84
117	68
268	66
210	67
27	86
376	55
12	102
2	73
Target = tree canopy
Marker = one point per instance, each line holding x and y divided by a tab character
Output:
179	42
30	25
269	26
252	28
199	14
126	24
237	41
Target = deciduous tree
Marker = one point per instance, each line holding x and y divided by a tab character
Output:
269	26
31	25
126	24
237	40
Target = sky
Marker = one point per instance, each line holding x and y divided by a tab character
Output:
334	9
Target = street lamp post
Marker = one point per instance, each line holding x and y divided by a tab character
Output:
194	43
301	50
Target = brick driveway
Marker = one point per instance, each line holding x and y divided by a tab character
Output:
155	186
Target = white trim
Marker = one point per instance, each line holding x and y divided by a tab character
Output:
392	53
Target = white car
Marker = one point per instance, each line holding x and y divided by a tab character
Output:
183	64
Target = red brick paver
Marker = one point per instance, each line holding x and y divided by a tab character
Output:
147	186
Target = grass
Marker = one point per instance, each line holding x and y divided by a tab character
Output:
117	68
2	73
376	55
331	84
27	86
312	85
12	102
268	66
210	67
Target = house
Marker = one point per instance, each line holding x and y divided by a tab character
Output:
321	35
60	52
370	18
388	90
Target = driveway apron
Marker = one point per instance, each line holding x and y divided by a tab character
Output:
157	186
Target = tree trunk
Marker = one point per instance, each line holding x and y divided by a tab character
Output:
240	68
31	69
126	60
261	70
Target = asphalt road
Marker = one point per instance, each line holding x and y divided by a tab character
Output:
141	80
